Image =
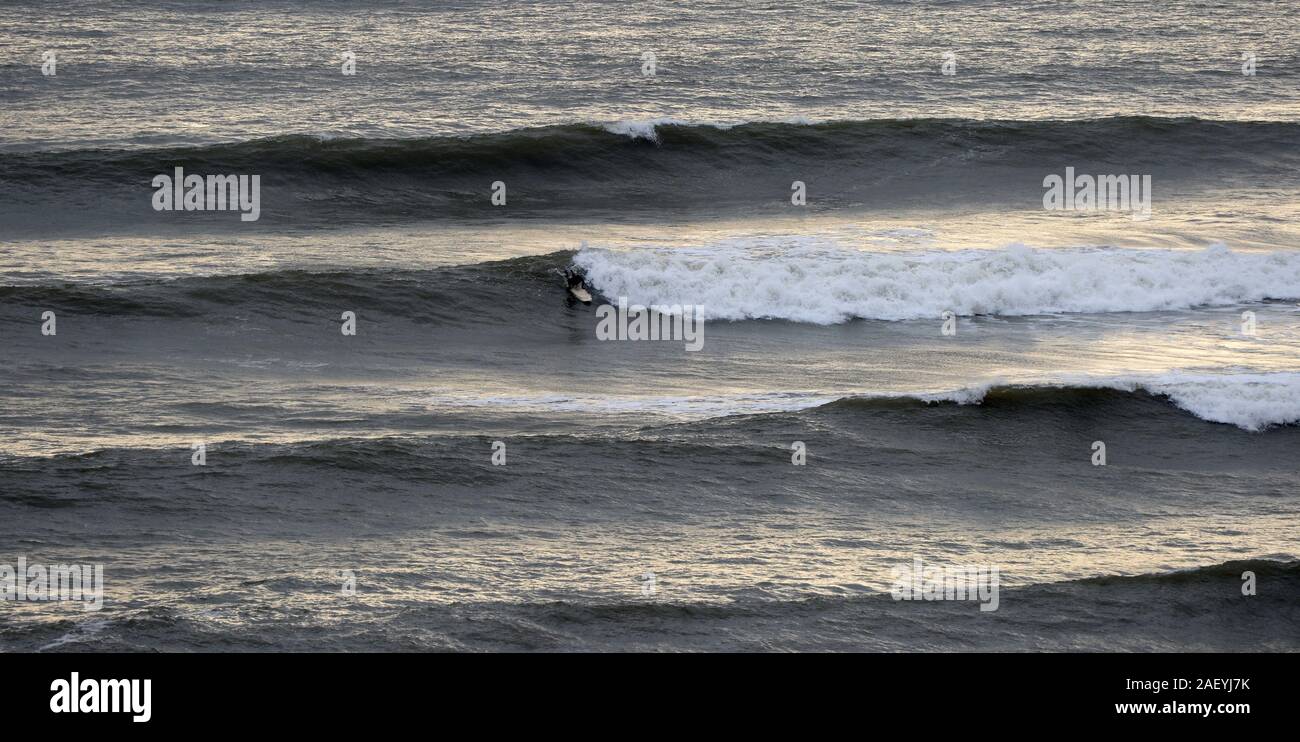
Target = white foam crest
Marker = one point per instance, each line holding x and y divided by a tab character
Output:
1249	401
642	129
827	285
645	128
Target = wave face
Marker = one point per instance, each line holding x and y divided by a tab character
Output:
1161	611
601	148
498	291
1249	401
632	167
830	286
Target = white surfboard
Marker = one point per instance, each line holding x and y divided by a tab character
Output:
581	294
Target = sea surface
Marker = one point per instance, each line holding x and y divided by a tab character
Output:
943	352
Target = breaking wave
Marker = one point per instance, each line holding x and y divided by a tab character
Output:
828	286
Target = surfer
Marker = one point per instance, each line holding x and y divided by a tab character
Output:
576	282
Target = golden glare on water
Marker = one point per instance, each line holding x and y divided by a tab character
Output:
978	288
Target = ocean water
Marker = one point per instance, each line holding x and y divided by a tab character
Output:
944	351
